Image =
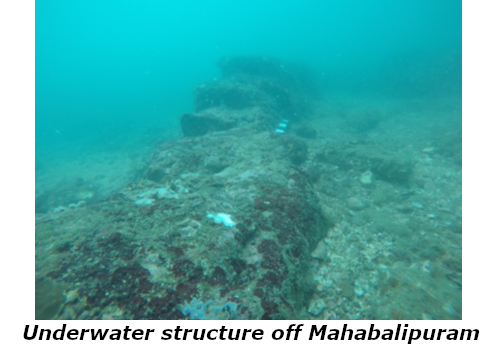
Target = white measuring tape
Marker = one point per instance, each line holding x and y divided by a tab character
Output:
282	126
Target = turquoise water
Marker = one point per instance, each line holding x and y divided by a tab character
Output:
106	68
114	77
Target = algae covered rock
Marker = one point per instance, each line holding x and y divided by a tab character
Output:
295	148
200	124
392	169
307	132
153	262
49	299
230	93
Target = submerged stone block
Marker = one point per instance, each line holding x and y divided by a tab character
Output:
199	125
167	259
232	94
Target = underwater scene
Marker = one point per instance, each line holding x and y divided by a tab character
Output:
248	160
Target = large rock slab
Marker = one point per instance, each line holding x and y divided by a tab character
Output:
154	250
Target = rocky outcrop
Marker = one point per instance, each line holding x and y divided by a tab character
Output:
252	89
153	251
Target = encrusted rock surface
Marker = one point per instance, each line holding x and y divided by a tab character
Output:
352	214
149	250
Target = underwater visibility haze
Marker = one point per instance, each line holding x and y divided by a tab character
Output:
248	159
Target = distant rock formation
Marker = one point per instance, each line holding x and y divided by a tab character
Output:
253	89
